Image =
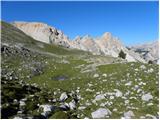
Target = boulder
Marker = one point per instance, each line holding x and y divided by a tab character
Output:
63	96
147	97
101	113
96	75
99	97
118	93
128	115
72	105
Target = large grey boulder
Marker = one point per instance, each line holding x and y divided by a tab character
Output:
101	113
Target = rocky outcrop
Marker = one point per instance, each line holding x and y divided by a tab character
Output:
104	45
42	32
148	51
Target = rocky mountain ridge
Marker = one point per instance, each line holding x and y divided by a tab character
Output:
104	45
148	51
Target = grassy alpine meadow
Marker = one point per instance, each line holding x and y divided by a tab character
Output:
45	81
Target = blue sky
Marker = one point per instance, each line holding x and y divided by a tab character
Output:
133	22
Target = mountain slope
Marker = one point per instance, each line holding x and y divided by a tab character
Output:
105	45
150	51
41	81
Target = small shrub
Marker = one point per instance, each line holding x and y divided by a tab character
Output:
122	54
150	62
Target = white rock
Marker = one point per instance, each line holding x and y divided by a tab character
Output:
139	90
142	67
151	116
20	112
99	97
47	108
90	85
15	101
111	97
86	118
17	117
104	75
64	106
77	91
96	75
54	100
115	110
63	96
72	105
126	101
150	70
129	83
78	88
118	93
142	117
101	113
88	104
136	86
81	107
150	104
104	80
147	97
89	90
22	103
136	69
103	104
128	114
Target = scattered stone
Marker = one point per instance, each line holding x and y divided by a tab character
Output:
129	83
81	107
99	97
86	118
126	101
142	117
150	70
101	113
104	75
22	103
96	75
151	116
118	93
64	106
115	110
63	96
72	105
90	85
17	117
128	115
46	109
147	97
103	104
149	104
142	67
111	97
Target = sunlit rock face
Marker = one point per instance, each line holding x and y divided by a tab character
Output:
42	32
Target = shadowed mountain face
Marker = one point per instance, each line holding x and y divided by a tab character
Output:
104	45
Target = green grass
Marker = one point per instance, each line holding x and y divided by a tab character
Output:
71	63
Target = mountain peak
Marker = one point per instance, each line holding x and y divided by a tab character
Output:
107	36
